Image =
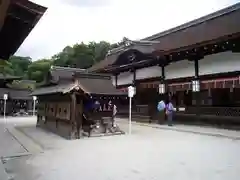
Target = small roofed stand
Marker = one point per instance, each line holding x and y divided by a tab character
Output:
74	103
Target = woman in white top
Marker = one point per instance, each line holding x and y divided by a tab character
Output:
114	111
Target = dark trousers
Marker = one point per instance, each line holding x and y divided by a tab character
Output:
170	118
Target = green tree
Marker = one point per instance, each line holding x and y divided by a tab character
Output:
82	55
20	65
100	50
6	68
63	58
38	70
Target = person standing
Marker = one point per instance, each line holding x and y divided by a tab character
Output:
161	111
114	112
169	112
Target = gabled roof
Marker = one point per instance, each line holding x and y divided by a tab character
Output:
77	79
97	84
146	47
58	88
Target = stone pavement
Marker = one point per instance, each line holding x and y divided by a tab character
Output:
210	131
3	174
148	154
11	142
8	146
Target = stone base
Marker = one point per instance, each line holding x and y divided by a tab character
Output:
65	130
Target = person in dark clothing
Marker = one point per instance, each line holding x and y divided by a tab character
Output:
169	112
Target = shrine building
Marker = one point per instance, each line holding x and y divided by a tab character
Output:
66	100
196	65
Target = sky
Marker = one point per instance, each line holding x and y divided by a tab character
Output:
67	22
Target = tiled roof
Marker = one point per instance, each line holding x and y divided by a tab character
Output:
222	23
143	46
90	83
100	86
16	94
59	88
200	20
64	72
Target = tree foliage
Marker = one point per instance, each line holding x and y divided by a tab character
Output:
78	56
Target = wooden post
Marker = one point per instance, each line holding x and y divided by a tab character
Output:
134	78
80	119
55	113
198	98
73	115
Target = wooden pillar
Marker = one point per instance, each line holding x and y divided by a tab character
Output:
198	93
73	122
55	114
134	77
163	72
79	118
161	116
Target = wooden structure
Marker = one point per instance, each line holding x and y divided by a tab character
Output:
22	15
18	99
65	103
197	64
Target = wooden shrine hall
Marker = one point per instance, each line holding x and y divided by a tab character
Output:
65	98
195	65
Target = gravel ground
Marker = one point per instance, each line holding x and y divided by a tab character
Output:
148	153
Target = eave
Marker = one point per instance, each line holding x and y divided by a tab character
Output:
22	15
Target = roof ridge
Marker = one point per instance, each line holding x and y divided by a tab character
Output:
200	20
90	74
66	68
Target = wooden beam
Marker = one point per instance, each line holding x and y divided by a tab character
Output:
134	77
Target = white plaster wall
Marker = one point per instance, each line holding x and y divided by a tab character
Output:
180	69
149	72
219	63
212	64
125	78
